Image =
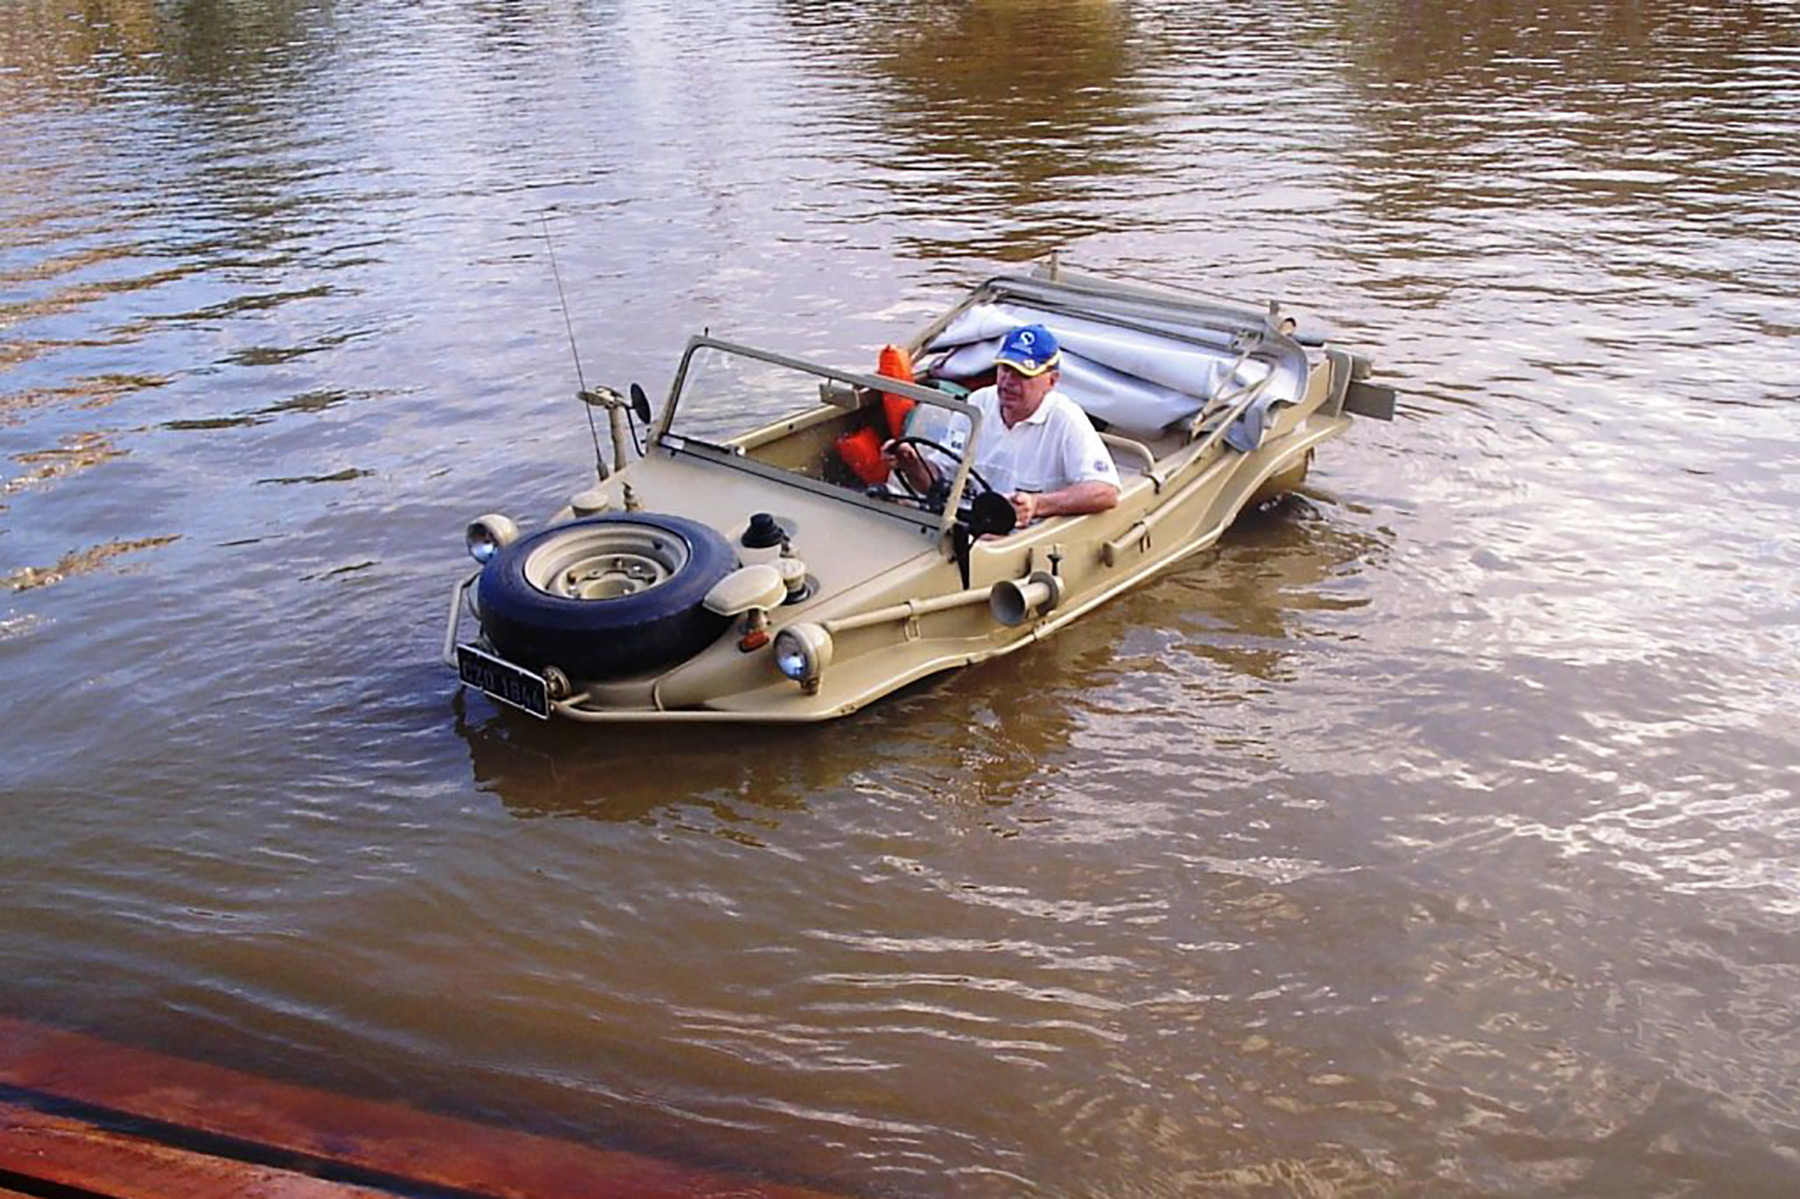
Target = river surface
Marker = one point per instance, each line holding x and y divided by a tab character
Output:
1435	834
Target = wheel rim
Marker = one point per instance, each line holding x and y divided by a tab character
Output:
605	562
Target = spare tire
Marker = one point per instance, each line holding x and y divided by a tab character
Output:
606	596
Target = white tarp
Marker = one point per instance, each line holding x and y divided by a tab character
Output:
1137	382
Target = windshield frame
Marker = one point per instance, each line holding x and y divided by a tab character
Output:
731	453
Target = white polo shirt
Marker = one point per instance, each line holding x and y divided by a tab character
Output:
1055	447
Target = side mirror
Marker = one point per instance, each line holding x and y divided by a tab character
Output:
992	513
640	403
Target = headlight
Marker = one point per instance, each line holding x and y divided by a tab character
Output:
486	535
802	652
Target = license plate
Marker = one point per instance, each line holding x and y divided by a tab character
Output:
505	682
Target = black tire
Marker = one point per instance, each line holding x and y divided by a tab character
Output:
626	597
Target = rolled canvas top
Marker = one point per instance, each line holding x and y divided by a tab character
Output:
1135	381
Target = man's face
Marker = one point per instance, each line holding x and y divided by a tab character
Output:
1020	394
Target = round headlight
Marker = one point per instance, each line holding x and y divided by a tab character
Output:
802	652
487	535
790	657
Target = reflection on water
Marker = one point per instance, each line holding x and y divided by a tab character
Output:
1430	834
1001	116
1651	150
1029	92
551	770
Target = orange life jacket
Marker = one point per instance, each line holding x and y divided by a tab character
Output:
861	452
895	363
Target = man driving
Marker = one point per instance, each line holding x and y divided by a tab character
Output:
1035	446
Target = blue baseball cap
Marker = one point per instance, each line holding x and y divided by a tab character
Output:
1030	350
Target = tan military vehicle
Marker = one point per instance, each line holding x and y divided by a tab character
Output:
780	574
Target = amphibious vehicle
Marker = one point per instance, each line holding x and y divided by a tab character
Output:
776	573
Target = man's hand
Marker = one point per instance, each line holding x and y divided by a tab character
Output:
899	455
1074	500
904	457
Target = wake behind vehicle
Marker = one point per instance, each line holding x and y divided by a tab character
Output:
779	574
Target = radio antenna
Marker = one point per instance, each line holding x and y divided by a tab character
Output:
593	430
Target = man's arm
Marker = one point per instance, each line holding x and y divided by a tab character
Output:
1073	500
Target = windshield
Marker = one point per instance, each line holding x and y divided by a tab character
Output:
820	428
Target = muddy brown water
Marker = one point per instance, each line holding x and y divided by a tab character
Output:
1434	835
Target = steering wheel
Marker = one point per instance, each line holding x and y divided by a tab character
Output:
947	452
984	513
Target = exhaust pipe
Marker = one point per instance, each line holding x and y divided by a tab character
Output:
1015	601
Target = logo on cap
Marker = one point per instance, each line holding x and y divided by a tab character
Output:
1030	350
